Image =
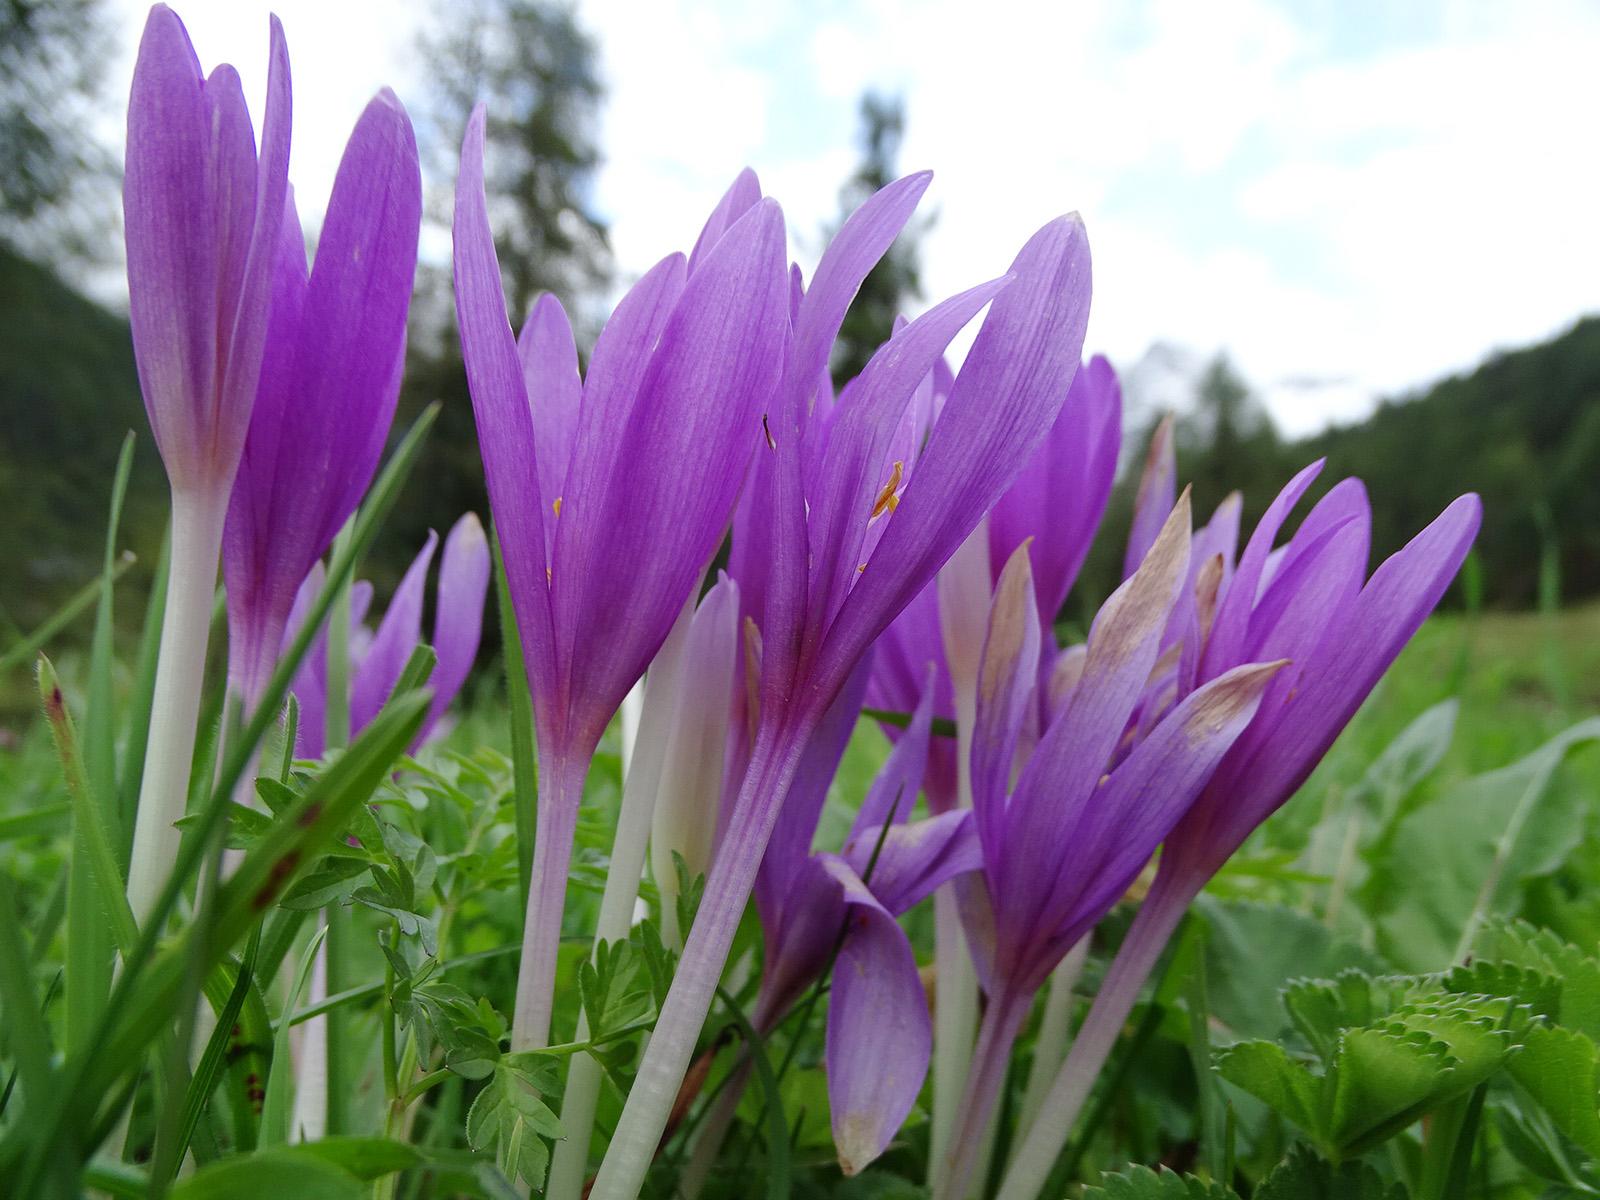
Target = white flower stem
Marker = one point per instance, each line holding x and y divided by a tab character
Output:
1037	1153
992	1055
964	592
197	520
1055	1027
661	1070
560	791
640	784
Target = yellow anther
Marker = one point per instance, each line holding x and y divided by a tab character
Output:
556	504
888	499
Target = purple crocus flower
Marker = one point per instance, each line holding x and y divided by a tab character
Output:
329	382
1310	602
202	212
610	495
834	541
1086	813
378	658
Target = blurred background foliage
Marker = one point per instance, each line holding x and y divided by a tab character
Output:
1523	428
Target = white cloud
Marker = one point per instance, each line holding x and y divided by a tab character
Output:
1376	202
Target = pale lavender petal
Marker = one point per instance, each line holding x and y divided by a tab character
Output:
1010	390
801	936
398	635
622	569
550	372
904	865
1132	813
1346	501
505	425
1124	643
1060	496
1358	646
742	195
458	615
171	242
1158	489
857	483
329	382
879	1035
1232	621
893	793
1007	677
902	656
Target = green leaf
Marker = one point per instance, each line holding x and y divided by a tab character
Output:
1520	944
1304	1176
1252	950
510	1118
1141	1183
364	1157
283	1171
1560	1068
1476	844
1405	762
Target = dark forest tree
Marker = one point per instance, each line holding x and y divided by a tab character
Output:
58	200
894	281
535	69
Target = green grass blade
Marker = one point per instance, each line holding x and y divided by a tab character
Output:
141	696
211	1061
275	1108
141	1007
21	653
524	763
21	1020
779	1180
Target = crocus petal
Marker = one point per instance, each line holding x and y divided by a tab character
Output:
801	937
905	864
901	658
1345	502
398	635
856	484
505	424
550	372
174	257
1158	489
742	195
893	793
458	615
622	569
330	380
1007	396
1006	681
1060	496
790	843
879	1036
1228	630
1353	654
1145	797
697	695
1124	643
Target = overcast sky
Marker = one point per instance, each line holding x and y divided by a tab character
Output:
1353	197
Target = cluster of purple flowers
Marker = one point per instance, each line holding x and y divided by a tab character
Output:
906	541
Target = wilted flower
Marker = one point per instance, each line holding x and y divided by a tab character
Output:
1309	602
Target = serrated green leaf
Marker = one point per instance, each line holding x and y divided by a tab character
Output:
1523	945
1265	1070
1304	1176
1560	1069
1141	1183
